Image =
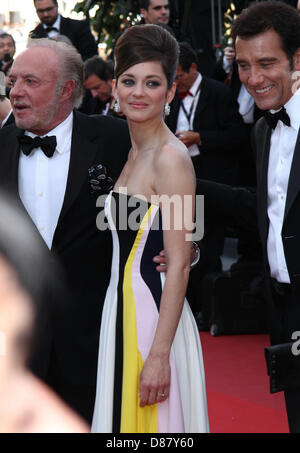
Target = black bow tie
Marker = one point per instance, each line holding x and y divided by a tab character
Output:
272	118
48	29
47	144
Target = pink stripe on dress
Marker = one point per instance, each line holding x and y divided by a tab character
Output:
170	418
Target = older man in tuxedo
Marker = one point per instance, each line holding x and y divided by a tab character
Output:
52	24
52	158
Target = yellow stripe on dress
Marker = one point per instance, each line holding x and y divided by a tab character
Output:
134	419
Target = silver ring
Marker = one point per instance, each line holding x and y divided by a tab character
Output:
162	394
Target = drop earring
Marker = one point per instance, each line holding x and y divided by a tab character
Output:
117	106
167	109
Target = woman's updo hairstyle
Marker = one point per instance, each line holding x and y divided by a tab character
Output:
144	43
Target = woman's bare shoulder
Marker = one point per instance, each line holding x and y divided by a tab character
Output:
173	154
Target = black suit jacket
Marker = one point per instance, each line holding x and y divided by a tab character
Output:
221	128
291	222
246	208
10	120
66	356
281	328
78	31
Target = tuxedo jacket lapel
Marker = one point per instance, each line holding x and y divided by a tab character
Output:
10	161
83	151
294	180
203	99
64	29
262	139
40	32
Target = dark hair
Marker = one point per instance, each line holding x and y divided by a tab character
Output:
7	35
36	269
144	4
22	246
271	15
54	2
143	43
101	68
187	56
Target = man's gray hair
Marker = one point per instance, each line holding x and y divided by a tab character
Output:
71	65
2	84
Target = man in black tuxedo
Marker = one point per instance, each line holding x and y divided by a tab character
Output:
59	193
267	43
52	23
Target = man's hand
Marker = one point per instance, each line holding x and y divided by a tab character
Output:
189	137
229	53
162	262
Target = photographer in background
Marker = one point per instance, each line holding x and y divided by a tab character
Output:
7	51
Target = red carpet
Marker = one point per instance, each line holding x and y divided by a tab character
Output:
237	385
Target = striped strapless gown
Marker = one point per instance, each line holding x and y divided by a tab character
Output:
128	324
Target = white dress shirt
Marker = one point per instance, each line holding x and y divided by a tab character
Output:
5	119
283	141
246	105
42	180
183	124
245	100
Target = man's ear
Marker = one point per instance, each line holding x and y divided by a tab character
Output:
67	90
143	12
193	67
296	59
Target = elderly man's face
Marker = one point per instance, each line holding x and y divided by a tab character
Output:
34	97
47	11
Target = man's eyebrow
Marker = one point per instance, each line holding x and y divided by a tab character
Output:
25	76
30	75
260	60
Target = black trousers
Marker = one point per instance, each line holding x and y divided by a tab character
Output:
285	319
